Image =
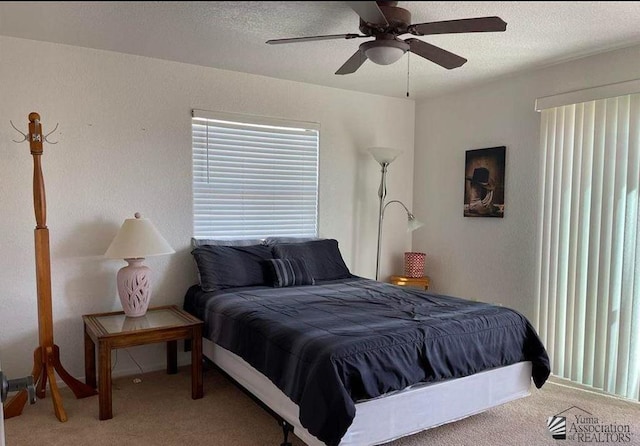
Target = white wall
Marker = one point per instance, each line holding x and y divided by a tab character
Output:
125	146
493	259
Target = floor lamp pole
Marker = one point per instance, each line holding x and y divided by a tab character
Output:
382	193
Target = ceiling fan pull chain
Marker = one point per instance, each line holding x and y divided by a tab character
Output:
408	57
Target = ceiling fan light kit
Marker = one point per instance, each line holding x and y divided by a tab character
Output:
385	21
384	52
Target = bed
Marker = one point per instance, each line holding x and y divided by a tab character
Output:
351	361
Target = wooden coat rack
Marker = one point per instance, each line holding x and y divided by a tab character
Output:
46	357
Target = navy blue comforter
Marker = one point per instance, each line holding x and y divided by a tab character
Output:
329	345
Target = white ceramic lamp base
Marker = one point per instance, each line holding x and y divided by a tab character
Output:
134	287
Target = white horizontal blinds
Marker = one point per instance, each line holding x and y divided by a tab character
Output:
589	266
254	180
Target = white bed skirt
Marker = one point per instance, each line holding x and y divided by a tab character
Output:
396	414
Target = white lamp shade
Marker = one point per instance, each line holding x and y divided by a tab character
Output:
413	224
138	238
384	155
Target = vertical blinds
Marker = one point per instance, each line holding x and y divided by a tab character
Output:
252	179
589	265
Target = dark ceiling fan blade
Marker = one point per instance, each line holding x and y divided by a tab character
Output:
353	63
313	38
476	25
369	12
434	54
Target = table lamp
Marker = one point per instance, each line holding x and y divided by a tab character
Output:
137	238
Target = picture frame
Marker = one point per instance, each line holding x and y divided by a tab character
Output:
484	187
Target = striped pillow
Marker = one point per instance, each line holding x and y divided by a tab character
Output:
288	272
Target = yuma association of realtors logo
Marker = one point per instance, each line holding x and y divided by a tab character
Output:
584	427
558	427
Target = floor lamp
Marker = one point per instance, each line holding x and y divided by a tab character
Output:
385	156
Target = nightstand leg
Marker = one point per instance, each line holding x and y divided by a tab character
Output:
172	357
104	382
196	363
89	360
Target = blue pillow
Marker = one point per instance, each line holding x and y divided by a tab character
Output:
197	242
231	266
322	257
270	241
288	272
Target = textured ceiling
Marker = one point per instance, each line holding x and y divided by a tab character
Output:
232	35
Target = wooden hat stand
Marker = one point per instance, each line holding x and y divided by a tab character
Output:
46	357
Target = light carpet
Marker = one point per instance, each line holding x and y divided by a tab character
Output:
160	411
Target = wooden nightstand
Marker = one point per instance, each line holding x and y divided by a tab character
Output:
419	282
115	330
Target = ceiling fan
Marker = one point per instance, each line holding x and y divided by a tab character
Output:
385	21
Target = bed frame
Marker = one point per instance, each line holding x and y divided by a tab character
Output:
394	415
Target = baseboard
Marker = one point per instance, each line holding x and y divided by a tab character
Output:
563	382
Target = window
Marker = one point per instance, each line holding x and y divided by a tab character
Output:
589	264
253	177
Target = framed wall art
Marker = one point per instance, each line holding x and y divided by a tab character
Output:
484	174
